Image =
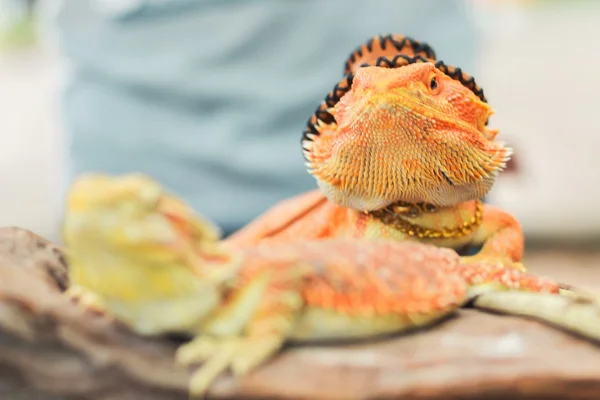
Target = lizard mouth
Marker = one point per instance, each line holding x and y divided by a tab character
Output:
415	105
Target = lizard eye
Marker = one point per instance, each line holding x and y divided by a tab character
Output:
433	83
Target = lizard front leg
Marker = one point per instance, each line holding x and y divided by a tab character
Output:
249	329
501	237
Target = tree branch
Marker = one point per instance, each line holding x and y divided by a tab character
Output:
54	346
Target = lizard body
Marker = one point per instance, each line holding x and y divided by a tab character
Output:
147	259
400	149
318	218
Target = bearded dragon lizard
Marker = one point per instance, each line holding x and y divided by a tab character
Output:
144	257
400	149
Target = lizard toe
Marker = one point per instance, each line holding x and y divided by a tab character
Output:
215	355
254	352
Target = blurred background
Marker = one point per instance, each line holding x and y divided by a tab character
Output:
536	60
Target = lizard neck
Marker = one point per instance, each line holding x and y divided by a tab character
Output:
425	221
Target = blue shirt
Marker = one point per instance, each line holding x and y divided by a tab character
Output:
211	96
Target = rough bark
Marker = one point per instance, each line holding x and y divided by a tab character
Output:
49	345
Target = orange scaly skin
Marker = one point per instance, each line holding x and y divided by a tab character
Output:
317	218
146	258
399	129
394	138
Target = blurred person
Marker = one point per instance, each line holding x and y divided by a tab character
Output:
211	96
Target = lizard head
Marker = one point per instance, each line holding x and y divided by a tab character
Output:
145	253
98	203
99	193
410	134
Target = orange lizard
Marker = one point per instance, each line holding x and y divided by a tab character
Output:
400	149
395	156
146	258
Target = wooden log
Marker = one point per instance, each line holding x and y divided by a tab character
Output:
52	349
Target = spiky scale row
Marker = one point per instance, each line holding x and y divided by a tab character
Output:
512	279
458	74
383	277
387	46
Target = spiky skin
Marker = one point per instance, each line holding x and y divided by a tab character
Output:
394	138
146	258
404	128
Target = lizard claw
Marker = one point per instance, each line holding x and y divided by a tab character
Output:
216	356
239	354
254	353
